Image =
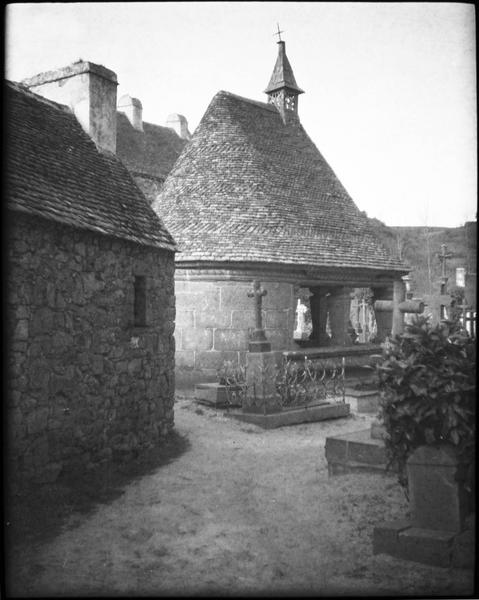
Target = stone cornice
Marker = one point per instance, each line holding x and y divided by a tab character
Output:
306	276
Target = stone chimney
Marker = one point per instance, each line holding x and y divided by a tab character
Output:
133	110
90	91
179	124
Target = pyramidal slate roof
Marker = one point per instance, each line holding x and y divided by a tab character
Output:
55	171
151	152
249	188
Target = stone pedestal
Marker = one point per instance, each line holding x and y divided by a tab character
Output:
260	381
437	533
436	499
383	318
399	295
258	342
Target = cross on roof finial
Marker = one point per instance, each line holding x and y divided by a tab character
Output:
278	33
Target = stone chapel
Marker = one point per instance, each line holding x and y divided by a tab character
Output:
252	198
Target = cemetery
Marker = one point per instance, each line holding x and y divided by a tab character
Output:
270	405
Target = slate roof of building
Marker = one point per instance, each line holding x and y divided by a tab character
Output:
55	171
151	152
247	187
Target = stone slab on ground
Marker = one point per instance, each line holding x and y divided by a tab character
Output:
426	546
292	416
363	401
355	451
378	431
215	394
463	555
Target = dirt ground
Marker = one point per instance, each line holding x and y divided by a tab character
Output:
226	509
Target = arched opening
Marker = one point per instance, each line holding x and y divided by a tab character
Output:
303	325
362	317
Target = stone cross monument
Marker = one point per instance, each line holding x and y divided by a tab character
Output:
439	305
258	341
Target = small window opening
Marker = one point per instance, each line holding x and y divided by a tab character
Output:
140	301
303	325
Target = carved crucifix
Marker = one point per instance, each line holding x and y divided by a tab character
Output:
257	293
258	341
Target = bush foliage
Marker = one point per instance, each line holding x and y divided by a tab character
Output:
427	383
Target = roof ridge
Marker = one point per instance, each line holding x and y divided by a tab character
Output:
258	103
152	125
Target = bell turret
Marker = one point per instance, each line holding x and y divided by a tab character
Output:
282	90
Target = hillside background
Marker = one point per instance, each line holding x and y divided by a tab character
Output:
419	247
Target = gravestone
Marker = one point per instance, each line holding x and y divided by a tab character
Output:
436	498
436	533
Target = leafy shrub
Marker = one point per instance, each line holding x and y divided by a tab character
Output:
427	383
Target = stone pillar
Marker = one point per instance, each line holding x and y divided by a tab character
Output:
260	380
399	295
383	318
437	500
339	304
319	313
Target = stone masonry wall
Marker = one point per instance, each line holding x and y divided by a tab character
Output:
213	322
84	385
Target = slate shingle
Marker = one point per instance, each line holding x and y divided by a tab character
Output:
247	187
54	170
151	152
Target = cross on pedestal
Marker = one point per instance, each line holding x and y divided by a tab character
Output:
258	341
438	306
443	256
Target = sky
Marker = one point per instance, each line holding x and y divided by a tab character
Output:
390	88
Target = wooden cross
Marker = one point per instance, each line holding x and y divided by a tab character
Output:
257	293
278	33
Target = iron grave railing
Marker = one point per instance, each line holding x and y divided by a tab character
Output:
296	383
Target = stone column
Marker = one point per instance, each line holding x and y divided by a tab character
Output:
383	318
339	304
399	295
319	313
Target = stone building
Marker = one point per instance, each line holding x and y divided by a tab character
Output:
148	151
90	300
251	197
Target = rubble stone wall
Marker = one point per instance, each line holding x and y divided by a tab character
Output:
214	320
84	384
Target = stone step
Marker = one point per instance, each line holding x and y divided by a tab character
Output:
362	401
292	416
427	546
355	452
216	395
